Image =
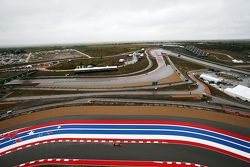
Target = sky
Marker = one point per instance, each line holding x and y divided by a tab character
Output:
42	22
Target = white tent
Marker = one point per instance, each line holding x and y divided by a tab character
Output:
210	78
239	91
237	61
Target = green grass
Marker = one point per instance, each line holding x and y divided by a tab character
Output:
141	64
8	74
107	50
180	87
166	60
97	50
236	49
96	62
100	51
18	93
154	97
185	66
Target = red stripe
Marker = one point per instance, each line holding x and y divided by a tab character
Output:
133	122
109	163
137	141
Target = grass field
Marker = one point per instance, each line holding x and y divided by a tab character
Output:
96	62
101	50
180	87
236	49
143	63
18	93
154	97
8	74
185	66
107	50
97	50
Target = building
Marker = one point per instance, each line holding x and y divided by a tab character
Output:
240	91
210	78
80	69
121	60
198	52
237	61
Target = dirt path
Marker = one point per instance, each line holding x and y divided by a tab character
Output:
129	110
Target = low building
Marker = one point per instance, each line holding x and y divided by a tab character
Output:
28	66
210	78
121	60
94	69
237	61
240	91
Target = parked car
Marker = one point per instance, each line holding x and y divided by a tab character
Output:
10	112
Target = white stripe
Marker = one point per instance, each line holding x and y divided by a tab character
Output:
56	125
144	130
158	137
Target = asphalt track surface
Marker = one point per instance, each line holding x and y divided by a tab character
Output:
161	72
91	162
164	152
150	152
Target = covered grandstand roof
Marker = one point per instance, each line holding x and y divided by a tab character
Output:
90	69
239	91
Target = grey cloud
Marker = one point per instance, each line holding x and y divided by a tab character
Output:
24	22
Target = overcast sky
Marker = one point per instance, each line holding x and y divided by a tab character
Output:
34	22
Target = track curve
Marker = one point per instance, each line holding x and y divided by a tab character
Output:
128	132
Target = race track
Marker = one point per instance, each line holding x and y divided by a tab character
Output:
148	132
162	71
